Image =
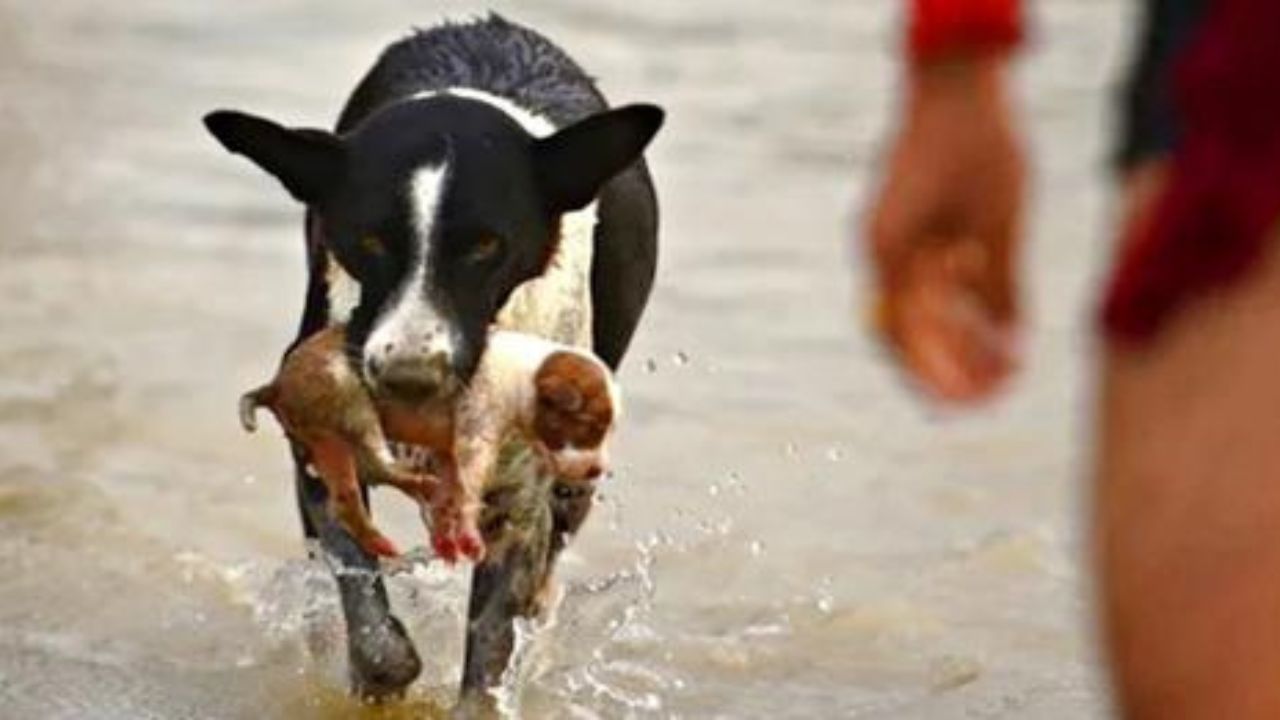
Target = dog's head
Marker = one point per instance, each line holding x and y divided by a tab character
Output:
576	407
439	207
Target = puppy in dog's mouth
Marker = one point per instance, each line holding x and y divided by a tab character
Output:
560	399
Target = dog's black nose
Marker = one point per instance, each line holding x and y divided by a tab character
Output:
408	388
414	380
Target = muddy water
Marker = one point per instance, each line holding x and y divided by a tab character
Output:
788	534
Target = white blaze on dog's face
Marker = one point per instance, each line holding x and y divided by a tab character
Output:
411	331
575	412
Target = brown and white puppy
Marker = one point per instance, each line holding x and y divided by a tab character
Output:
561	400
323	406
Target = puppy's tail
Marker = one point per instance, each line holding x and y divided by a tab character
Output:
251	401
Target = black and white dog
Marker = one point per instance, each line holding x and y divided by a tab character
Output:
476	177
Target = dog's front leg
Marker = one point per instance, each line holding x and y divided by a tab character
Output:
527	519
382	659
517	525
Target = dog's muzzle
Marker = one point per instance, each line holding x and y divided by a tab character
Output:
415	379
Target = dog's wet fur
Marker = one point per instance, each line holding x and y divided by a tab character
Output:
436	197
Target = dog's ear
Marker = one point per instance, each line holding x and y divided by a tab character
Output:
309	163
573	164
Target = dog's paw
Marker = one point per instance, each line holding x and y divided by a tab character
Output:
383	661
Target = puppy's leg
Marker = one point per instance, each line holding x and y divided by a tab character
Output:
455	513
436	504
378	466
465	475
336	464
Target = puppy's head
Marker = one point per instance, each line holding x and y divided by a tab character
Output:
575	411
438	207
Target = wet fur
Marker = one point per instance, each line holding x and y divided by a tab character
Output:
494	56
323	407
560	399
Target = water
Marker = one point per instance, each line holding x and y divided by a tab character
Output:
787	534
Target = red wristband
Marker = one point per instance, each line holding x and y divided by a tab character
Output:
941	28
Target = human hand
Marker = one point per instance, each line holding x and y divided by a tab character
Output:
944	232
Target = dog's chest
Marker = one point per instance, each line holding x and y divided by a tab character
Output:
557	304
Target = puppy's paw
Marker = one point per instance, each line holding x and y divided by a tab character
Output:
471	545
454	539
381	546
446	547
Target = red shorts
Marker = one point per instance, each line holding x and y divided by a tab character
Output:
1222	197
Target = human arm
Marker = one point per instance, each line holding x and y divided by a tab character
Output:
944	229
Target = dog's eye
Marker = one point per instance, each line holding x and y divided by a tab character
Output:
485	249
372	244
